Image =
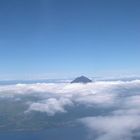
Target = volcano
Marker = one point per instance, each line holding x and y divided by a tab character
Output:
81	79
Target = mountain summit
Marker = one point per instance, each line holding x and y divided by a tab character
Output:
81	79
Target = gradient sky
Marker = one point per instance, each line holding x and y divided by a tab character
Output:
65	38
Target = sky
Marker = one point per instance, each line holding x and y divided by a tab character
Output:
66	38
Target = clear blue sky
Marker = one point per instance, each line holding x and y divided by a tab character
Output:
64	38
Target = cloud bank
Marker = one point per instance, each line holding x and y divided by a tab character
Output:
119	99
116	127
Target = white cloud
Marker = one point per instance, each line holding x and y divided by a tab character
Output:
123	122
113	127
101	93
121	98
51	106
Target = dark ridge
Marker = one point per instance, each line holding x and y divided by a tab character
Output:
81	79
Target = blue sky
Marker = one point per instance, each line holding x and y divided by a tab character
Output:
66	38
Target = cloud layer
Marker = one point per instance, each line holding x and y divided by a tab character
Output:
120	100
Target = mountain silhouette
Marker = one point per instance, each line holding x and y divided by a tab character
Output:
81	79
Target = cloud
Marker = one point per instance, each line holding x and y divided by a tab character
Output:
120	100
51	106
113	127
101	93
123	121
